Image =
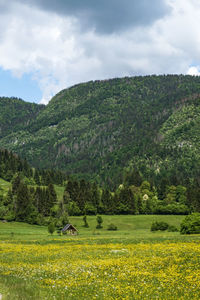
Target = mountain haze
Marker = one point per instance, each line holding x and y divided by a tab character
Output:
99	128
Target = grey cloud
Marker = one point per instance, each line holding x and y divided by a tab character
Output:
4	7
106	16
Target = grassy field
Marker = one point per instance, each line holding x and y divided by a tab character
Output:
59	191
4	187
130	263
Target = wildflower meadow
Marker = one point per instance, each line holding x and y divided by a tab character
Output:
100	267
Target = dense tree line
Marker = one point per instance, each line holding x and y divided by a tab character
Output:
34	203
27	204
10	164
32	194
32	197
81	198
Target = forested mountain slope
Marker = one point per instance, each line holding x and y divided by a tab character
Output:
16	114
97	129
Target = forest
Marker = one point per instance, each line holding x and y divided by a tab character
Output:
31	195
100	130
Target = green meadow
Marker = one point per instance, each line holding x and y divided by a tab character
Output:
130	263
135	228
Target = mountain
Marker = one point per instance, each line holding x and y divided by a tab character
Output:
16	114
98	129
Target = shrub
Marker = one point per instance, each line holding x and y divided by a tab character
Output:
90	209
10	216
85	222
59	230
65	219
112	227
40	220
191	224
3	211
51	228
59	223
172	228
99	226
159	226
99	222
171	209
73	209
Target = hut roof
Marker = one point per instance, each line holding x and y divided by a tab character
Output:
69	227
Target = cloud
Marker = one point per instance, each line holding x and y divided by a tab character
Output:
106	16
193	71
51	47
38	43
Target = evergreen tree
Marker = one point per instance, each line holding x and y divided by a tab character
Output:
37	200
72	188
95	195
16	184
9	198
82	195
107	201
37	177
23	204
51	228
85	222
124	201
52	193
99	222
47	178
51	198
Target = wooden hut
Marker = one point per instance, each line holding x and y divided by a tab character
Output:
69	229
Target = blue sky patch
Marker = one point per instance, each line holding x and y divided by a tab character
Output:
23	87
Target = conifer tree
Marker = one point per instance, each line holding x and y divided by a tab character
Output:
15	184
99	222
23	204
51	228
51	198
9	198
85	222
37	177
107	201
95	195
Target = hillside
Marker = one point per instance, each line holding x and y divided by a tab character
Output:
16	114
97	129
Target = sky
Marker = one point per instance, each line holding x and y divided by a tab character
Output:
48	45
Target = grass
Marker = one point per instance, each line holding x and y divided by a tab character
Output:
129	227
4	187
130	263
59	191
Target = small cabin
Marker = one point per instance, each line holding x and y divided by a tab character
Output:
69	229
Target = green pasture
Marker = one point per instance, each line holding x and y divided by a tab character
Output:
37	265
59	191
131	228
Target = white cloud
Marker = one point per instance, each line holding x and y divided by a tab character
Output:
57	54
193	71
